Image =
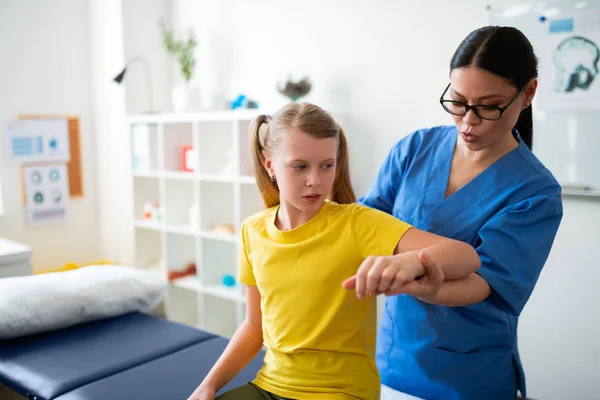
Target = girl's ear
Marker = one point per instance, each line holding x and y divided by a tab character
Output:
267	162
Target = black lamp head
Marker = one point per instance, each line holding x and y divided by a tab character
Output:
119	78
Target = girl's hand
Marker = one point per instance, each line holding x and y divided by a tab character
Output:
427	287
397	274
203	393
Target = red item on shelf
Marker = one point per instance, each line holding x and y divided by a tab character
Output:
190	269
188	160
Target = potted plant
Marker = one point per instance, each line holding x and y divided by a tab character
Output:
185	95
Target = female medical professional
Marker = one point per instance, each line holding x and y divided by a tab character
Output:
478	182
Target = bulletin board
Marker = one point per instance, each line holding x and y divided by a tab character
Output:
74	167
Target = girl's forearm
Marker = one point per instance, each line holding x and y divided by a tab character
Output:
456	259
242	348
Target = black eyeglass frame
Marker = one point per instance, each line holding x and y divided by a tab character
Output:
474	106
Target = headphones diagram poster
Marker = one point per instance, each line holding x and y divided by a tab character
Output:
569	62
46	193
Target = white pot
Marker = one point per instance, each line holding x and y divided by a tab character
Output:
186	98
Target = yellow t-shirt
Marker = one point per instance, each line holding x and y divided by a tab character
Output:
320	338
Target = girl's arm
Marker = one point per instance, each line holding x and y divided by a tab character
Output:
416	250
242	348
455	258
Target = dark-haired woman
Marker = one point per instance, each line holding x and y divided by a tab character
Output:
476	181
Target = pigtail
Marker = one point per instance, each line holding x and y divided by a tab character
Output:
342	191
259	136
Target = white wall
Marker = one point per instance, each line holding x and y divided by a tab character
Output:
112	138
45	70
560	326
141	37
380	69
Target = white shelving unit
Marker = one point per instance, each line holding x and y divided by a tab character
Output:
221	188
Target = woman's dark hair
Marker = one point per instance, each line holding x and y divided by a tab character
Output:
506	52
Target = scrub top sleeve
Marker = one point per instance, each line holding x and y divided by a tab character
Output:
382	193
246	273
514	247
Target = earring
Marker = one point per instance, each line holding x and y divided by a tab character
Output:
272	178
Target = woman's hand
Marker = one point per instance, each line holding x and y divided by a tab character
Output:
203	393
413	273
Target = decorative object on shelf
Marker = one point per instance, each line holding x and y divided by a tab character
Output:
224	228
294	88
121	75
243	102
188	159
152	212
229	280
189	270
186	95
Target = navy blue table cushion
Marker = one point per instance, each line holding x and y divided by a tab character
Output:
172	377
53	363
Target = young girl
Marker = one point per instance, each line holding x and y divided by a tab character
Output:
295	255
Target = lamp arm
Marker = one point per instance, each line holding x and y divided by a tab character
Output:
148	78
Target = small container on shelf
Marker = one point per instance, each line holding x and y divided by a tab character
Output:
153	212
188	159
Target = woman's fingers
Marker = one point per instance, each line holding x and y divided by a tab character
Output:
386	281
432	270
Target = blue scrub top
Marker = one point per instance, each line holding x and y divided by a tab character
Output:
510	213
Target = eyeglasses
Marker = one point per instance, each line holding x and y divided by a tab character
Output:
490	113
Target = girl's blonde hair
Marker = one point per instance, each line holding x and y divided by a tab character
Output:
266	133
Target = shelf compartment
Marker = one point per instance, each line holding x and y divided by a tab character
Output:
145	190
217	206
216	148
181	250
218	259
144	147
179	197
148	250
176	136
250	201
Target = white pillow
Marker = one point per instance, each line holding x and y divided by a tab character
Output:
44	302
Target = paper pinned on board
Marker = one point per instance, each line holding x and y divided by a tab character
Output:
46	193
39	140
